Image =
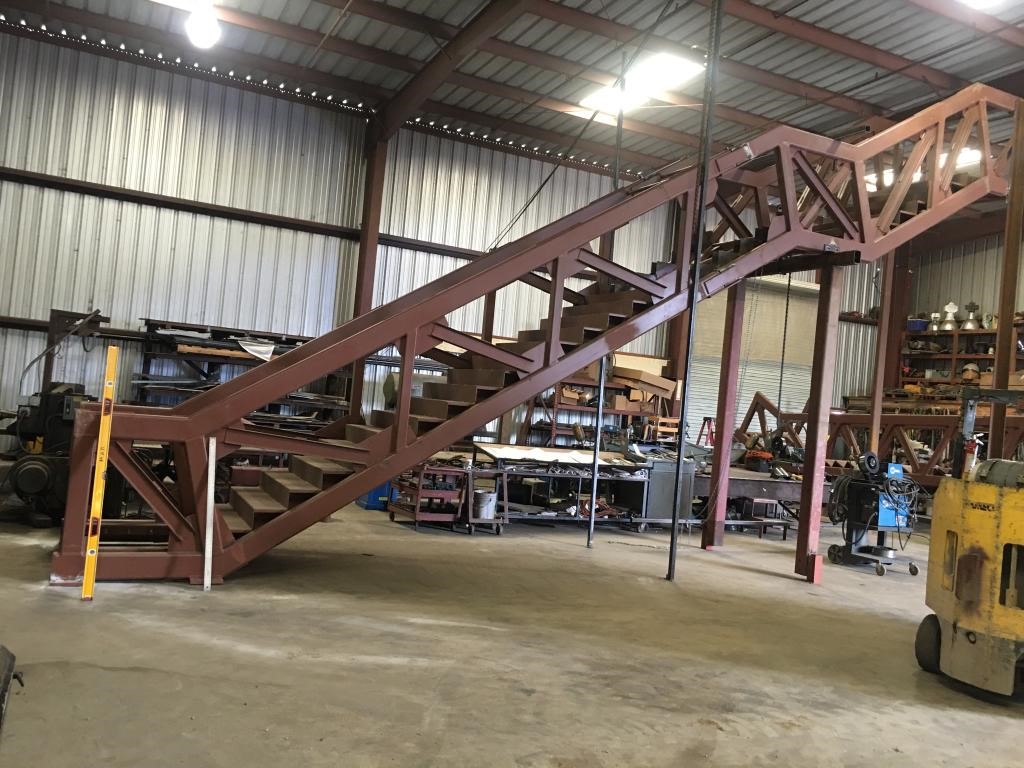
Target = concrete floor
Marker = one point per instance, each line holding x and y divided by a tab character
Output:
363	643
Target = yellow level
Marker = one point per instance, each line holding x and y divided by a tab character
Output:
99	478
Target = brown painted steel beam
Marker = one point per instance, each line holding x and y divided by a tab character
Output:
372	94
622	33
494	17
366	269
425	24
832	41
977	20
882	348
583	146
808	561
713	531
1008	280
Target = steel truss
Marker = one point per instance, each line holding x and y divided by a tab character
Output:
811	200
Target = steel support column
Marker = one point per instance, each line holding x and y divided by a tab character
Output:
900	291
373	197
678	340
1008	287
713	534
808	561
881	349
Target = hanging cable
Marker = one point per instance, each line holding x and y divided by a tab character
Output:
782	355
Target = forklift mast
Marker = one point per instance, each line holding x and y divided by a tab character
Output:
965	446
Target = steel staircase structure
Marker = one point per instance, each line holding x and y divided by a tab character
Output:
815	205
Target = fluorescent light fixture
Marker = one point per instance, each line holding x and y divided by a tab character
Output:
982	5
202	27
655	74
662	72
610	100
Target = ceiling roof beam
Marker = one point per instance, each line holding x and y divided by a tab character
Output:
977	20
832	41
405	64
485	24
613	30
416	22
299	74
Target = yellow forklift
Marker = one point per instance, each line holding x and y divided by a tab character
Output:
976	565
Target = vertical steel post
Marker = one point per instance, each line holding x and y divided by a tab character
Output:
697	240
373	197
900	291
713	532
808	561
211	485
1008	289
597	453
882	348
678	340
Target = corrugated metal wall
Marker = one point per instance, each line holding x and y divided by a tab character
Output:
67	113
855	354
961	273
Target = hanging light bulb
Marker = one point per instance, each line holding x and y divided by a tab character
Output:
202	27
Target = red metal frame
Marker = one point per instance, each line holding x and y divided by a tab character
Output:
771	165
713	533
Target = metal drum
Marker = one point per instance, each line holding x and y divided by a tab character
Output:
485	505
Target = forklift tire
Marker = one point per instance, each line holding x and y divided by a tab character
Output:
928	643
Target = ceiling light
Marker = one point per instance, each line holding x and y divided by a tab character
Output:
202	27
610	100
655	74
981	5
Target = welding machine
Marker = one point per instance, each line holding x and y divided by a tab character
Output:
873	503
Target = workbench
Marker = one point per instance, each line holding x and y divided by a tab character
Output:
549	465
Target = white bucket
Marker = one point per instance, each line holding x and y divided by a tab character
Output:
485	505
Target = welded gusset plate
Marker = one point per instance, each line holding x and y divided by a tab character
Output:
6	680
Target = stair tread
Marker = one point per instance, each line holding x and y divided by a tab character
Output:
258	499
232	519
344	444
292	482
323	463
446	401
